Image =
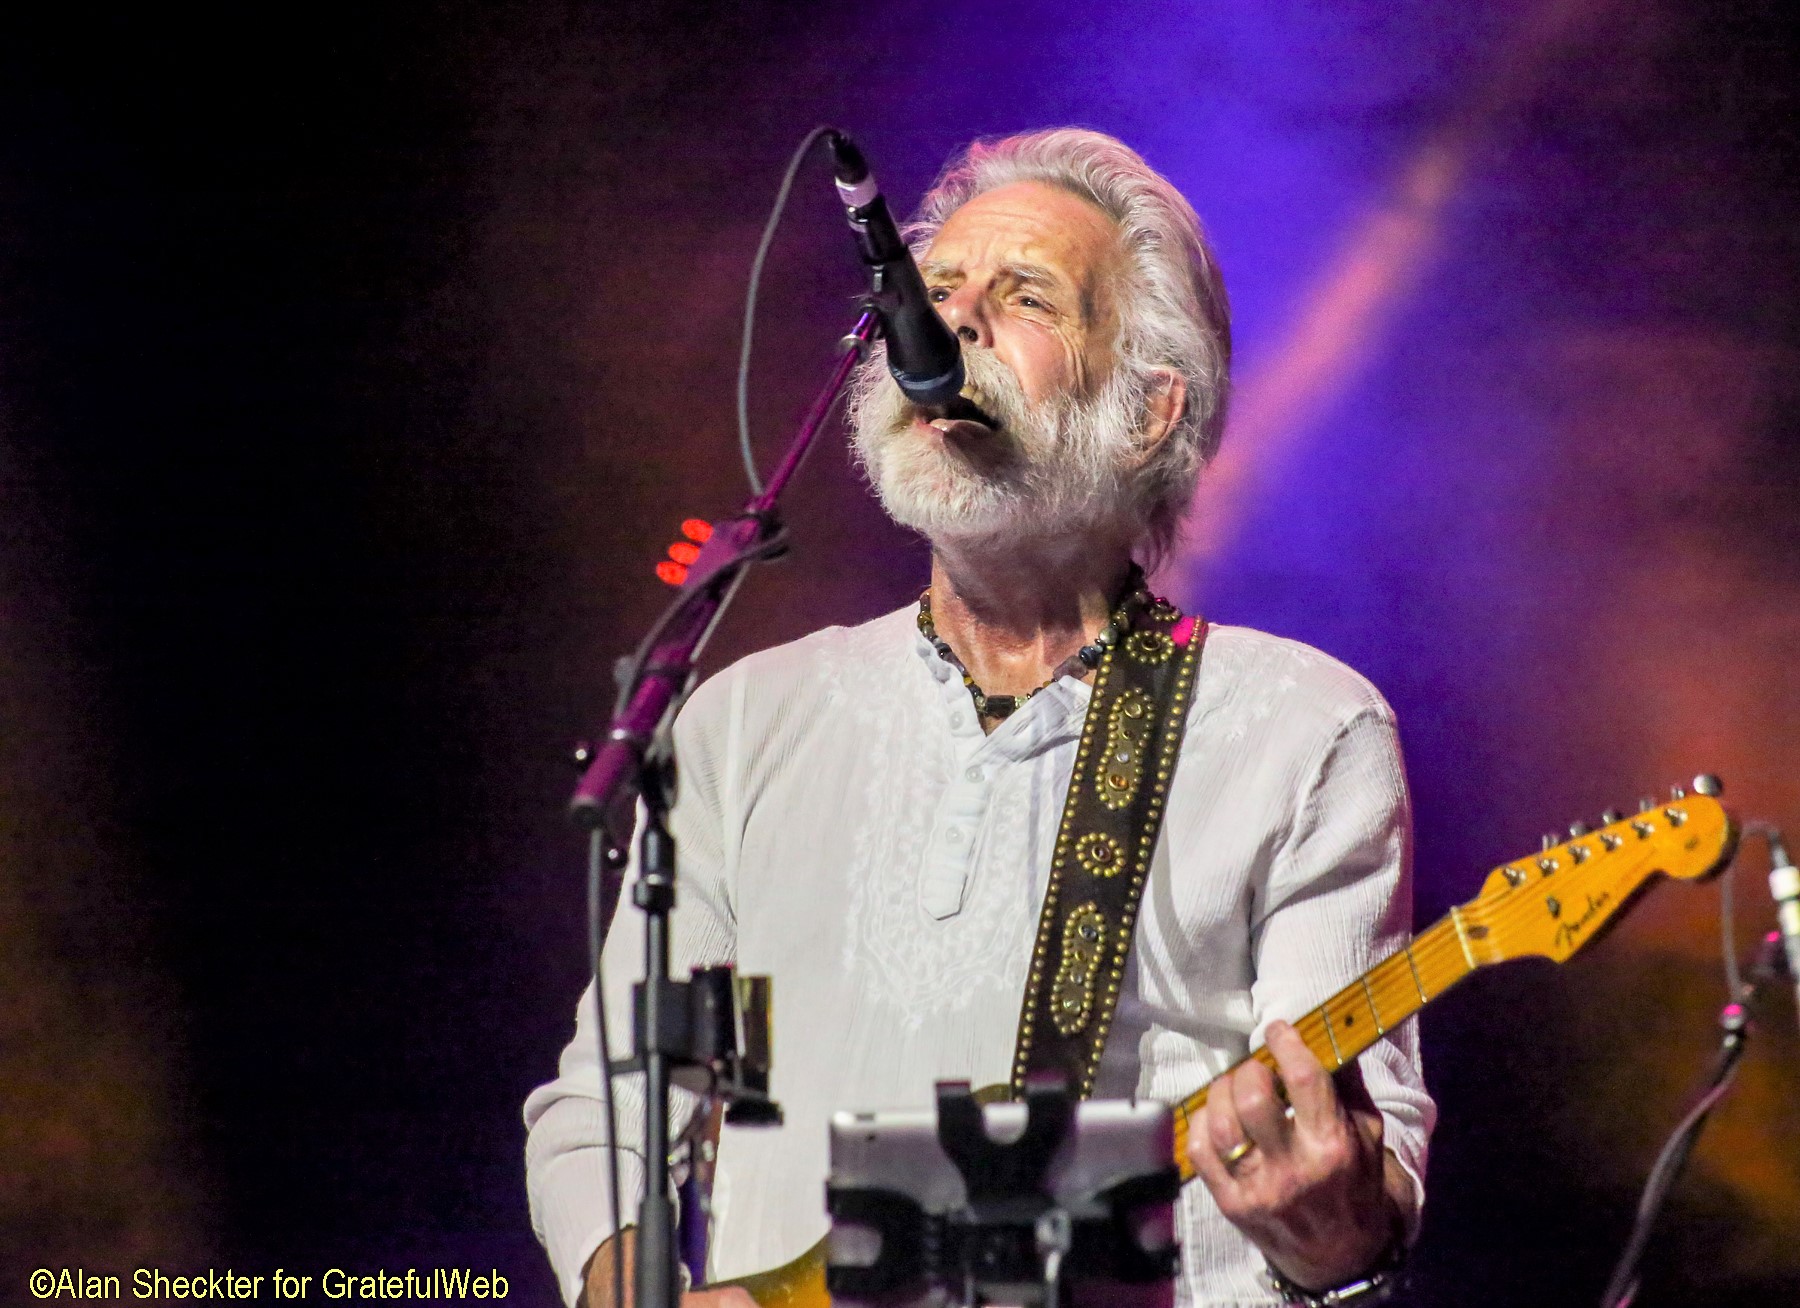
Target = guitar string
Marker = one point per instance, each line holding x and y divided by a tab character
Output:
1444	941
1435	943
1430	948
1438	943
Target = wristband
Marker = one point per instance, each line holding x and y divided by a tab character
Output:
1364	1292
1377	1285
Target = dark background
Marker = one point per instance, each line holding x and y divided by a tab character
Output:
355	369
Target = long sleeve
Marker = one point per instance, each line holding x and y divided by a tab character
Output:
1339	900
847	828
565	1151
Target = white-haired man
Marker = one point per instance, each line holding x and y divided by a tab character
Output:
868	814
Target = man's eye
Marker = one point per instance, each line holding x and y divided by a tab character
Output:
938	294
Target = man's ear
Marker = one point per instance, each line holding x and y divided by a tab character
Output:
1162	410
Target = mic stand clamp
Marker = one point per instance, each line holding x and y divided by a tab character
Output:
713	1030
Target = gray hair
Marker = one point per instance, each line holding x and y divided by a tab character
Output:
1173	312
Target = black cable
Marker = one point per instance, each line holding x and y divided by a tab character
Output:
632	674
756	267
629	680
1734	980
1772	835
1623	1286
1734	1022
597	845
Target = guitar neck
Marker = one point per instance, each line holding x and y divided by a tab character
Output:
1548	904
1365	1010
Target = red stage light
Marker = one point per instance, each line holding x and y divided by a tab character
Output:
683	552
671	572
696	529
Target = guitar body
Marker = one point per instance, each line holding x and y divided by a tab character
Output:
1547	905
799	1284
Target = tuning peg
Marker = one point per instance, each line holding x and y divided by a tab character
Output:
1707	784
1577	829
1645	804
1611	816
1547	841
1677	792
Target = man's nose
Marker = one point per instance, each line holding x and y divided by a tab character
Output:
966	311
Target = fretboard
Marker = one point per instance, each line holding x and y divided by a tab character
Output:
1365	1010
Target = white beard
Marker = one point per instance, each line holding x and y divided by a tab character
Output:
1052	468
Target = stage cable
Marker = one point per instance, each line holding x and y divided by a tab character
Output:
632	670
1734	1024
1734	977
628	674
749	334
597	860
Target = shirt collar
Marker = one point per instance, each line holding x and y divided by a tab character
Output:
1049	718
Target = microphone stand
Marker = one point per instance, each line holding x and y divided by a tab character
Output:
637	755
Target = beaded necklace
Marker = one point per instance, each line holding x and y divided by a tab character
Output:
1081	662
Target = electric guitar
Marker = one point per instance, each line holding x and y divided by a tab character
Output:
1548	905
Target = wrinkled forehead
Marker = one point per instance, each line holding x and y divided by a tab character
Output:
1030	231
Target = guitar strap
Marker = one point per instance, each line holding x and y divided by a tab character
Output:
1114	810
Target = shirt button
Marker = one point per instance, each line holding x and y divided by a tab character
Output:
953	835
956	719
973	774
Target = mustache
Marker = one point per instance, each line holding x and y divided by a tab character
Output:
990	395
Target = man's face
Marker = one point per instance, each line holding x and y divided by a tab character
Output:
1027	272
1025	275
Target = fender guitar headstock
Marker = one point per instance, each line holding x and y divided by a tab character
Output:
1554	902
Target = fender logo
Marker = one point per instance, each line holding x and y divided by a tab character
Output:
1568	931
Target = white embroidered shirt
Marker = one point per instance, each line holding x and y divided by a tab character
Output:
845	827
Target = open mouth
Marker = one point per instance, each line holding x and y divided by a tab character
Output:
961	416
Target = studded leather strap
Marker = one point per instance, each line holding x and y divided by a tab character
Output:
1114	810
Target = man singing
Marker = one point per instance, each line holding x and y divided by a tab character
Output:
869	815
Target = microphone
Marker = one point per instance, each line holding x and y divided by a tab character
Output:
923	354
